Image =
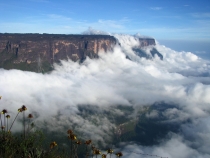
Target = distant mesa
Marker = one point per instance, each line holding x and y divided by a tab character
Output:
38	52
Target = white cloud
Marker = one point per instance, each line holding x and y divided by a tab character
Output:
201	15
91	31
156	8
58	17
110	23
73	89
62	24
173	148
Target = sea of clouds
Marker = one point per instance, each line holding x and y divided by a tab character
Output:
181	78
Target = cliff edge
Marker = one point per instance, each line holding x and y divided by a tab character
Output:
38	52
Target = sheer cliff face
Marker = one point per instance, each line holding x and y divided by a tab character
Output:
143	42
37	52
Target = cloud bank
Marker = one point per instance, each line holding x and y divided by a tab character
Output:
85	96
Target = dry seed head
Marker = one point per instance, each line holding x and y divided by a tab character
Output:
30	116
96	152
24	108
78	142
20	110
0	97
119	154
103	156
70	131
8	116
72	137
88	142
110	151
53	144
4	111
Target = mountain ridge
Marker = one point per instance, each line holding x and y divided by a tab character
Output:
38	52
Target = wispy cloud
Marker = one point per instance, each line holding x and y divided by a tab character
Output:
60	17
107	25
200	52
197	32
57	23
42	1
201	15
168	16
156	8
119	24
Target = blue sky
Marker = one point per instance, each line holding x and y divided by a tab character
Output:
161	19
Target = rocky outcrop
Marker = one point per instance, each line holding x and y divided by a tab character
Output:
146	42
38	52
152	53
140	51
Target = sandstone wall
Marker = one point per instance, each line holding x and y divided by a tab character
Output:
27	50
38	52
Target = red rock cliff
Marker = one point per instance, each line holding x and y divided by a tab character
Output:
34	51
38	52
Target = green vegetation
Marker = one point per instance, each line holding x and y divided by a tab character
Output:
31	143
